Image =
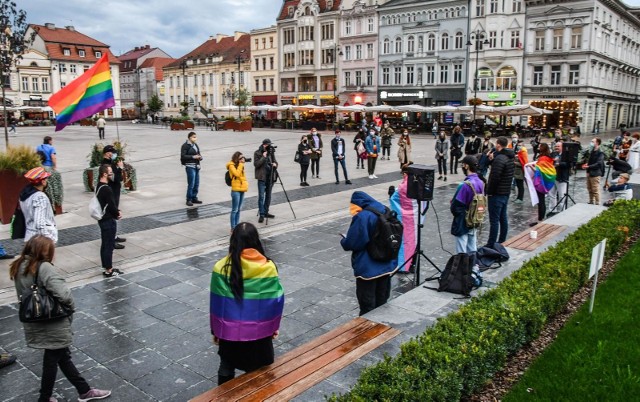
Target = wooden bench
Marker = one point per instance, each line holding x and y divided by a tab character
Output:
523	241
300	369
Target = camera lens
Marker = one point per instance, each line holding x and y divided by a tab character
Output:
247	159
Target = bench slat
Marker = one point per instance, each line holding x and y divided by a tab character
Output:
522	241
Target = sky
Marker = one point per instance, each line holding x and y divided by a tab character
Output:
175	26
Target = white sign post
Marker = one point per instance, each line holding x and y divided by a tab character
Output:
597	255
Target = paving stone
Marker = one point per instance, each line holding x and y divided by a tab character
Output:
171	381
147	300
168	268
168	309
140	276
160	332
159	282
205	363
183	346
106	348
291	328
138	364
190	320
315	315
193	391
179	290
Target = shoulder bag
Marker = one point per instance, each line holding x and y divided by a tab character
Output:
38	305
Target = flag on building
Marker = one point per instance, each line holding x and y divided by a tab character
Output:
85	96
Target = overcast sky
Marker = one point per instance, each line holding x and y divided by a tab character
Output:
175	26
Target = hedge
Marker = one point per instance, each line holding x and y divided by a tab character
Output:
455	357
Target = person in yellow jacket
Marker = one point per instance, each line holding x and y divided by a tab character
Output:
239	186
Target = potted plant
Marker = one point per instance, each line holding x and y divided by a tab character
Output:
14	163
475	102
90	174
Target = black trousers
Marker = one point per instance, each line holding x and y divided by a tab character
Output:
108	235
359	160
542	206
315	167
372	293
54	358
386	150
371	165
442	166
453	165
520	187
304	168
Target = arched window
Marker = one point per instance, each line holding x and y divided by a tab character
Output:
386	46
485	79
428	15
431	43
307	10
444	41
459	40
411	44
507	79
398	47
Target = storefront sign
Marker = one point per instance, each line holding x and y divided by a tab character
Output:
387	95
306	97
325	97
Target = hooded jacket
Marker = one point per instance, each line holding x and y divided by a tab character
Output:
363	225
238	178
38	214
502	169
461	202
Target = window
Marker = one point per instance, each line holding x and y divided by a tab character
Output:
386	46
540	40
480	6
359	78
45	84
358	52
255	43
555	75
25	84
327	56
264	63
507	79
98	55
485	79
397	75
431	43
385	75
411	44
347	78
516	6
557	38
410	75
210	78
347	52
576	38
72	68
305	57
493	39
287	84
538	72
574	74
457	73
289	60
420	44
369	50
398	46
444	41
305	33
85	68
370	25
66	51
444	74
270	42
223	79
431	74
264	84
289	36
257	87
515	40
81	53
347	27
264	43
459	40
307	84
327	31
195	80
63	67
257	64
369	78
493	6
271	82
271	63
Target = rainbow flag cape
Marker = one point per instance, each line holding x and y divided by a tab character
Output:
85	96
523	156
545	175
258	314
408	213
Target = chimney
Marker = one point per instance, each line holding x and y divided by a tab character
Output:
237	35
70	28
146	46
220	36
211	37
135	49
50	25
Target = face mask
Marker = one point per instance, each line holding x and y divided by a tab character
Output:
514	140
337	137
465	171
304	142
591	146
110	177
114	156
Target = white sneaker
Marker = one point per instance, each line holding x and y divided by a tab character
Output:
370	176
375	177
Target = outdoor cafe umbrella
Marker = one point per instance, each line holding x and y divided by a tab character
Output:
379	108
442	109
351	109
412	108
480	109
521	110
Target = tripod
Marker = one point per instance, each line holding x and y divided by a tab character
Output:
418	253
275	177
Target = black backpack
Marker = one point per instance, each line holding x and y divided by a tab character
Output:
18	227
491	258
227	178
387	237
458	276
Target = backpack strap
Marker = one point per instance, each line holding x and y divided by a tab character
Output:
468	183
375	211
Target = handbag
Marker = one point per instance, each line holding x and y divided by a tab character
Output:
296	157
18	227
38	305
95	210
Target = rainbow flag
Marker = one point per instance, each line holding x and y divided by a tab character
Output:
85	96
258	314
545	175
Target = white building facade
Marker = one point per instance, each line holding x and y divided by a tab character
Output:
264	66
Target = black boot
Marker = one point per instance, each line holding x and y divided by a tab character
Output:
224	378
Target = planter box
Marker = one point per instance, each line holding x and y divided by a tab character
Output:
188	125
238	126
11	185
90	178
177	126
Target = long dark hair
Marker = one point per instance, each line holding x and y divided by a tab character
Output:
244	236
235	158
543	150
37	250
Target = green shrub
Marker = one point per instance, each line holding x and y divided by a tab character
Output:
463	350
19	159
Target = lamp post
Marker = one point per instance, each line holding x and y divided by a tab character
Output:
183	65
595	119
239	60
138	71
336	52
479	37
606	112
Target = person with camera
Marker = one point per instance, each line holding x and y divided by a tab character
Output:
387	136
239	185
265	164
315	141
595	170
108	222
110	157
455	148
304	158
372	145
191	157
473	145
620	191
338	147
35	263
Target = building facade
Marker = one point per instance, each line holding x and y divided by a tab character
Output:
583	62
264	66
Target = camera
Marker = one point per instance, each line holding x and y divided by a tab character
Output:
271	148
247	159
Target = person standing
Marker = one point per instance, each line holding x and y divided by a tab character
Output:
337	151
595	170
36	207
544	178
54	189
47	153
12	125
372	145
498	190
473	145
315	141
108	225
35	263
101	124
387	136
634	152
408	213
358	146
239	186
456	143
404	148
563	171
520	160
466	241
434	128
304	152
247	301
442	151
190	157
110	154
265	164
373	278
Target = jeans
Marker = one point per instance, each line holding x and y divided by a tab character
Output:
62	358
344	168
453	163
108	235
237	197
372	293
101	133
498	219
264	197
467	243
193	183
315	167
304	168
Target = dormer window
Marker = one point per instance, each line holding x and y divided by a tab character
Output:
66	51
81	53
307	10
98	54
329	5
290	11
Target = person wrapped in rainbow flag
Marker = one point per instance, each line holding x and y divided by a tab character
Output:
246	304
542	174
408	214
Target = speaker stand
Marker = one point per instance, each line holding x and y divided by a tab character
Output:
419	253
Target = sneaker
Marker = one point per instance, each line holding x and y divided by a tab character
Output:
371	176
189	203
348	182
317	177
374	176
337	182
532	224
93	394
306	184
6	359
261	219
118	246
112	274
302	183
517	201
120	239
439	177
196	201
270	216
445	178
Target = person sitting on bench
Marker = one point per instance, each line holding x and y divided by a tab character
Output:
620	191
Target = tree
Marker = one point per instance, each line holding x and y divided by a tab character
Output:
13	43
155	104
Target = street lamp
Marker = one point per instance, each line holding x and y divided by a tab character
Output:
336	52
183	65
606	112
480	39
595	120
138	71
239	60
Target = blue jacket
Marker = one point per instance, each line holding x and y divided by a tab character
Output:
363	225
370	141
461	201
